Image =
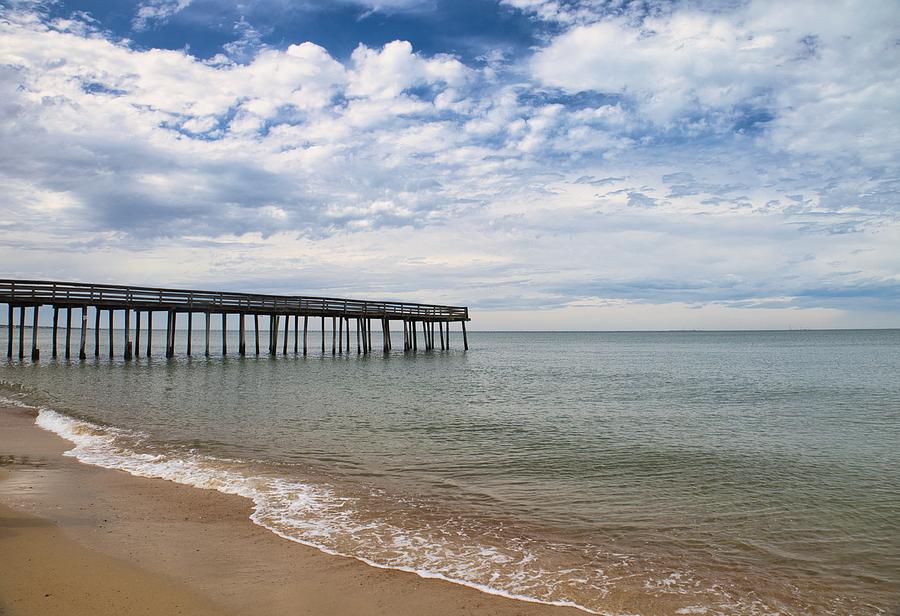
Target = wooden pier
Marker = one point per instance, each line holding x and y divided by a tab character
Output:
282	310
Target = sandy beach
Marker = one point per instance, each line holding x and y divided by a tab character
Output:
78	539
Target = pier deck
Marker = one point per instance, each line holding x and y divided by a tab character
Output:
137	299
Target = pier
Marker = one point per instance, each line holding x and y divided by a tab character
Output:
70	299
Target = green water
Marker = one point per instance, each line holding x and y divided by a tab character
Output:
719	472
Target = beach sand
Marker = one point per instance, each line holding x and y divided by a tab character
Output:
78	539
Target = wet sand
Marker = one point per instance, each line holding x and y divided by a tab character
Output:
77	539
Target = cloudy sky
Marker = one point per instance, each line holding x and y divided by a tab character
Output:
552	164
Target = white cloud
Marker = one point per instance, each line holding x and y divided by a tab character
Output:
447	182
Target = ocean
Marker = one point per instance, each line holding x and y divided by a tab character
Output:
622	473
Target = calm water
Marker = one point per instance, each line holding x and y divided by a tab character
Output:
651	473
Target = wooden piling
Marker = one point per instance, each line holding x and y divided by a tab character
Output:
149	331
137	333
68	332
362	326
83	336
341	335
111	331
242	339
323	335
273	343
21	332
296	333
170	325
128	350
97	310
208	320
358	345
333	334
35	351
224	334
369	332
10	329
465	337
55	327
441	332
287	326
256	329
190	331
305	326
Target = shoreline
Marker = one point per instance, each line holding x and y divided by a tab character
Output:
186	544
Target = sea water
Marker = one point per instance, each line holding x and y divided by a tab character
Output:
623	473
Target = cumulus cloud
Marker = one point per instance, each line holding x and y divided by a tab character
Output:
657	156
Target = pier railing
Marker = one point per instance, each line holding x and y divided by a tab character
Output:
73	294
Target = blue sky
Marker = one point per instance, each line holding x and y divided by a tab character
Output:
552	164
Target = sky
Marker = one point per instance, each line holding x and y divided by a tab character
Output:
551	164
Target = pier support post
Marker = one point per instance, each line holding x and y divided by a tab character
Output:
68	332
323	335
347	332
55	327
305	326
256	329
441	332
97	310
208	319
224	334
287	328
137	333
21	332
296	333
149	331
362	326
465	337
111	329
190	331
369	332
127	333
242	339
273	341
358	345
384	336
84	321
333	334
425	334
340	334
10	329
35	351
170	333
